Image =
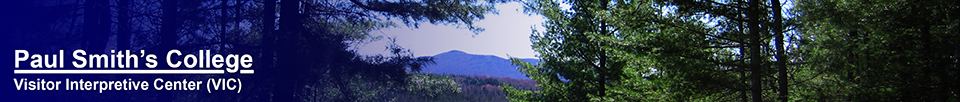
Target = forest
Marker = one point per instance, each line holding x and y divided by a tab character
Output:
739	50
589	50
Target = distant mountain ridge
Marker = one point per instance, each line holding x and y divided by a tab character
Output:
463	63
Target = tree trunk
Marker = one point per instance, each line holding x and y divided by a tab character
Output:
169	25
290	26
223	25
266	33
168	38
99	43
755	59
123	25
781	59
123	37
93	32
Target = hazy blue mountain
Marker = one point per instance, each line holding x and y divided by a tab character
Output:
462	63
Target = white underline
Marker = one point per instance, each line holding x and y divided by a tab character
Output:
246	71
209	71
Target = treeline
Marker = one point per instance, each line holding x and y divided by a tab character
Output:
471	88
744	50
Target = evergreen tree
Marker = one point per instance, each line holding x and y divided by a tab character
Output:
653	50
881	50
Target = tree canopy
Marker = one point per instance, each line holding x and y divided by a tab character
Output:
743	50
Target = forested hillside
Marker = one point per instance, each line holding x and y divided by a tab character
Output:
463	63
473	88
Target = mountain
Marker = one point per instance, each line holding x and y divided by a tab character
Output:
462	63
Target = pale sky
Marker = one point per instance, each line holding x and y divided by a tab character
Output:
506	34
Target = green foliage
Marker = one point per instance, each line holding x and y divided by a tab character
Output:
431	85
587	53
679	50
433	11
459	88
649	50
889	50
